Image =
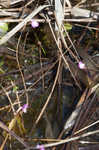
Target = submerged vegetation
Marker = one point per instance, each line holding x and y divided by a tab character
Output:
49	74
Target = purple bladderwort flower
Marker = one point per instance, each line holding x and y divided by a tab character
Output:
81	65
34	23
41	147
24	108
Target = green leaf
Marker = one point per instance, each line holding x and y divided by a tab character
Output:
44	51
68	26
1	70
3	28
21	125
1	63
15	88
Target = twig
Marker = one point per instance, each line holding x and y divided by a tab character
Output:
48	99
66	140
86	127
5	38
8	98
80	20
3	126
27	99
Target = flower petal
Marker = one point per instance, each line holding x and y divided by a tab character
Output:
41	147
81	65
24	108
34	23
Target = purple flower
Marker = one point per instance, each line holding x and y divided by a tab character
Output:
81	65
34	23
41	147
24	108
